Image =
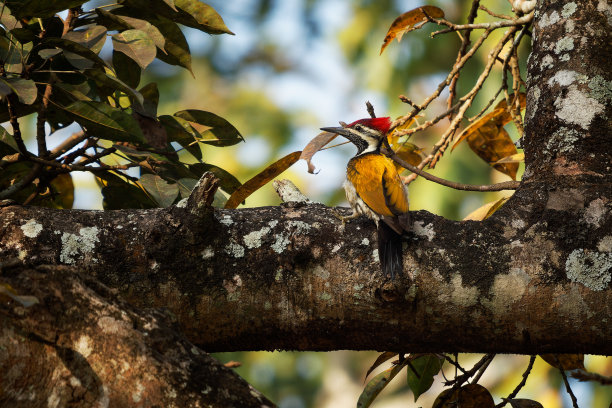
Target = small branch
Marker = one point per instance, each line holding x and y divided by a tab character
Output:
441	85
582	375
10	100
465	43
370	109
566	382
481	371
73	13
457	381
68	144
493	14
41	120
486	26
520	385
21	184
507	185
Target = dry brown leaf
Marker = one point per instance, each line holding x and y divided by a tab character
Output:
515	158
406	22
256	182
565	361
490	141
484	212
408	152
468	396
314	146
387	355
500	116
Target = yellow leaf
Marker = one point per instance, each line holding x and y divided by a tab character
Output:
410	153
406	21
256	182
486	210
490	141
515	158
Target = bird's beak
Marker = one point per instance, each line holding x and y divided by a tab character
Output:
337	130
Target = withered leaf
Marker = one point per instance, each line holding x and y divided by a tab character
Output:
314	146
490	141
468	396
256	182
484	212
565	361
387	355
405	22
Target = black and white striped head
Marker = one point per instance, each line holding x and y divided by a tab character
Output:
367	134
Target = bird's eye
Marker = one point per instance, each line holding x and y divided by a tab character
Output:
358	128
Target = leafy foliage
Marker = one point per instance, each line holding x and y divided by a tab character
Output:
53	67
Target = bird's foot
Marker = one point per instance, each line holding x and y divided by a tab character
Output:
343	218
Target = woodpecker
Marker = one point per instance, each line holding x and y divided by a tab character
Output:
374	188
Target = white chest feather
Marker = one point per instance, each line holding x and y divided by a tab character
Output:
357	204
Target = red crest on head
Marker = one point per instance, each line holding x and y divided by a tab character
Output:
381	124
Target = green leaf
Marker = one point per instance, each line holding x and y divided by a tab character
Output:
49	53
426	366
151	99
78	55
105	121
377	384
387	355
177	48
127	23
41	8
25	89
162	192
186	185
102	78
227	181
8	139
126	69
137	45
120	194
219	131
92	38
194	13
7	19
180	131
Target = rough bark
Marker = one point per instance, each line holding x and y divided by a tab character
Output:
526	280
74	342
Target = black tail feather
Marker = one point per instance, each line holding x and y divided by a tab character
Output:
390	250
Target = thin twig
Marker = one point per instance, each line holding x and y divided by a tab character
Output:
520	385
457	381
496	15
68	144
370	109
582	375
41	119
10	100
455	364
567	386
507	185
481	371
21	184
465	43
441	85
481	26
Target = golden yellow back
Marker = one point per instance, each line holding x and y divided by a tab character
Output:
377	182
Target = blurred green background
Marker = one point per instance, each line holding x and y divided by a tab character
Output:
295	66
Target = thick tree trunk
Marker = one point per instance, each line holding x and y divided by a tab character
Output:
526	280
